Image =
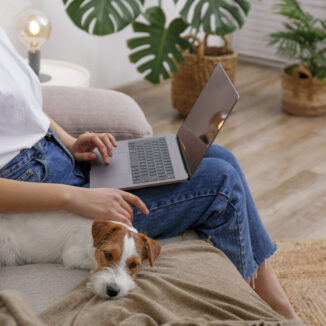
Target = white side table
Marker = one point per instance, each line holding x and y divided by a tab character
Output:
64	73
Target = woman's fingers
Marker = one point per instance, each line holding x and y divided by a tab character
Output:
121	218
103	203
132	199
101	147
85	156
104	144
112	139
127	208
107	143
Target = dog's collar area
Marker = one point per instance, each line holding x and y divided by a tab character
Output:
132	229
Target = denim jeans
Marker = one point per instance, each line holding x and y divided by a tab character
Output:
216	202
47	161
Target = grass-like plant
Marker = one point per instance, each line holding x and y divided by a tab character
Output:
303	38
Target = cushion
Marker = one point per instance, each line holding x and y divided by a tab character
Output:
42	284
79	109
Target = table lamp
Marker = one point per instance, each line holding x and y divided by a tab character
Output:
34	28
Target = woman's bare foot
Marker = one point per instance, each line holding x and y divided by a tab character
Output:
269	289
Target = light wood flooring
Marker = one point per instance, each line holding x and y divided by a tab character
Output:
282	156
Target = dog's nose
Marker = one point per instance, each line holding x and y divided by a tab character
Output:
112	290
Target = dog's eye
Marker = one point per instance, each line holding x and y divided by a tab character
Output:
132	265
108	256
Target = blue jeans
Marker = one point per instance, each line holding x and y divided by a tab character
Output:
216	202
47	161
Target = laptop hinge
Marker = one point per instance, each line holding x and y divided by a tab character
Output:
184	158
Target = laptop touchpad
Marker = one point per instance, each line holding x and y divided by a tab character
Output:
111	175
119	164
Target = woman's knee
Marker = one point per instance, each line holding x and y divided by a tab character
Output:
219	175
223	154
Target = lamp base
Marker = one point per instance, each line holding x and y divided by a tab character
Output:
34	61
44	78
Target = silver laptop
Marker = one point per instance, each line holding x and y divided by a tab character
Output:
159	160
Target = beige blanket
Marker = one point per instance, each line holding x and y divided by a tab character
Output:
192	283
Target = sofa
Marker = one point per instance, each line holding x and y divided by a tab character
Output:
77	110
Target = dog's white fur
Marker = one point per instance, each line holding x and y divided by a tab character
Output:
64	238
51	237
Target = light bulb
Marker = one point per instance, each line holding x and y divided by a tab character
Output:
33	28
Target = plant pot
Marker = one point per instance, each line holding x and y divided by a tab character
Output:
303	95
195	71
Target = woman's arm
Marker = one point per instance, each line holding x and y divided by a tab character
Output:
112	204
67	139
19	196
25	197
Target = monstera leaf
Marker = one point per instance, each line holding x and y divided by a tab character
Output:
102	17
228	15
160	45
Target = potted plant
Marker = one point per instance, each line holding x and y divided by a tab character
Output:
303	39
161	46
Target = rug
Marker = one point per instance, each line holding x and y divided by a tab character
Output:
301	268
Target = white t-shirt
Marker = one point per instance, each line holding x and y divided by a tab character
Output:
22	121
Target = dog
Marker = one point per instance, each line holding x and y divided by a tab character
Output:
112	251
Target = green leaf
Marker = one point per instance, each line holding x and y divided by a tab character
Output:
228	15
155	17
160	43
245	5
323	23
106	16
302	38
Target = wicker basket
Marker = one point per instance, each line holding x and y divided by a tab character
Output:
195	71
303	96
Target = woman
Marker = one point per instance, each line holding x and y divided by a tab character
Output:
42	168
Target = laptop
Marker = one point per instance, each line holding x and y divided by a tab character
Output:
153	161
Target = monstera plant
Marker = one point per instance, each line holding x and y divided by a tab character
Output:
159	44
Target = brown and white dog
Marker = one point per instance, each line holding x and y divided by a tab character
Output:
120	251
113	251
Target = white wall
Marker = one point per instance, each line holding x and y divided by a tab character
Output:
105	57
8	11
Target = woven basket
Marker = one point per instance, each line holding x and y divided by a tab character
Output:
303	96
195	71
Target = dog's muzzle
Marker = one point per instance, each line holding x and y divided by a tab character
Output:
111	283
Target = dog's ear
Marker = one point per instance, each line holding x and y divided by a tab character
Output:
151	249
101	229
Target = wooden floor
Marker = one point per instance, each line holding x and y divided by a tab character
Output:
283	157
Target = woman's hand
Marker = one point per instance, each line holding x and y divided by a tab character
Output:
82	148
105	203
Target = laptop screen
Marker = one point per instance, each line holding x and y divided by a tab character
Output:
206	118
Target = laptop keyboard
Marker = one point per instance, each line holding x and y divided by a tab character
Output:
150	160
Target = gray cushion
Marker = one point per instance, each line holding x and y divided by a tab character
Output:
79	109
42	284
